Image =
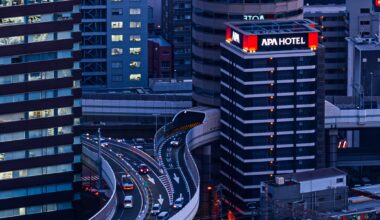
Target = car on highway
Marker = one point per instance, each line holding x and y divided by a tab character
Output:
174	143
163	216
126	182
178	203
156	209
128	201
143	168
104	143
138	147
140	140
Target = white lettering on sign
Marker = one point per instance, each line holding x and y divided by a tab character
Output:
253	17
235	37
283	41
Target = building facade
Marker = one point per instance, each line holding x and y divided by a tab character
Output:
331	22
176	29
209	17
362	18
304	195
114	44
272	105
40	149
159	58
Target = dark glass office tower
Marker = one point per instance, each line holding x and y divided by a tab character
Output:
208	30
39	109
271	105
176	29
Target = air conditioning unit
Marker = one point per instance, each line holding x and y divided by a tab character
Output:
280	180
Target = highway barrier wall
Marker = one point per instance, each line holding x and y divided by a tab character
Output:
108	210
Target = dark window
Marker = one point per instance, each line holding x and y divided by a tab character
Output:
339	180
364	10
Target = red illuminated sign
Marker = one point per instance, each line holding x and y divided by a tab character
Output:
376	5
272	42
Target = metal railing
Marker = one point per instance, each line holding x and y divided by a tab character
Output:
108	210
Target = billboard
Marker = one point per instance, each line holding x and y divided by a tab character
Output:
272	42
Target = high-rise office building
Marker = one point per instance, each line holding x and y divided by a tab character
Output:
40	168
114	44
331	22
272	105
209	17
362	18
176	29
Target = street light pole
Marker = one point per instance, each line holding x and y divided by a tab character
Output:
99	161
371	73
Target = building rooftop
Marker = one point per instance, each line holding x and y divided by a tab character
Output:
372	191
364	43
315	174
159	40
274	27
330	8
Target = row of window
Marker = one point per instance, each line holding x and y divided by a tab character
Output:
120	38
36	190
132	51
36	171
35	57
19	116
19	78
4	3
33	38
119	64
37	152
38	95
132	77
45	132
119	24
51	207
32	19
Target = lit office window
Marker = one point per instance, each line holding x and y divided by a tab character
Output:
135	77
12	20
41	114
11	40
116	51
134	11
135	38
117	0
40	75
117	38
135	24
116	24
135	64
135	50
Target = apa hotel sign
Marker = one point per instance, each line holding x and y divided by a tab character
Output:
284	41
256	42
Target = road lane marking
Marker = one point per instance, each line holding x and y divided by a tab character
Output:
176	178
151	179
160	199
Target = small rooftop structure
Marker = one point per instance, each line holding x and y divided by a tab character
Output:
372	191
315	174
159	40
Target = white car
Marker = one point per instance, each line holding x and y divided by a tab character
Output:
163	216
156	208
178	203
174	143
128	202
